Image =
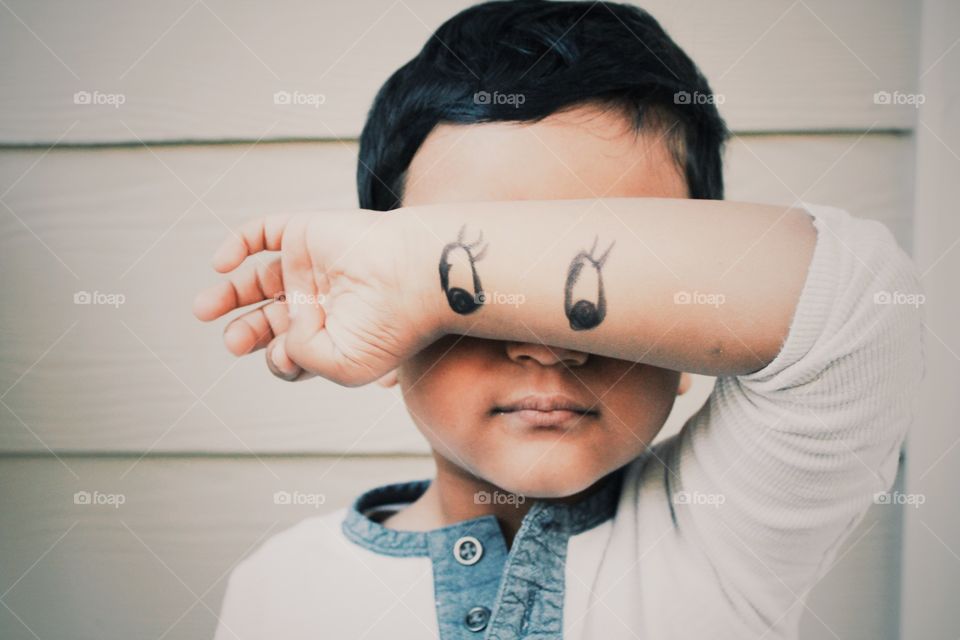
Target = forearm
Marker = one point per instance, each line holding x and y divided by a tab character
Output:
701	286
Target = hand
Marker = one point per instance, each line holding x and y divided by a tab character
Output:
347	299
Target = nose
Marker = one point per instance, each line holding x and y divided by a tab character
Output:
545	355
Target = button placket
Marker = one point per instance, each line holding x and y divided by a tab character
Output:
468	560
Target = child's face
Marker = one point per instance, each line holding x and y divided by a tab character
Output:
453	387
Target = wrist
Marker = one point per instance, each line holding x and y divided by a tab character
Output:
425	302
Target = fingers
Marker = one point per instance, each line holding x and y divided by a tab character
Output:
263	282
255	329
282	366
265	326
261	234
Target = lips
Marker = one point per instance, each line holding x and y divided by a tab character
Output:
545	411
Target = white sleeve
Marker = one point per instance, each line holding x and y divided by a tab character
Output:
240	615
780	465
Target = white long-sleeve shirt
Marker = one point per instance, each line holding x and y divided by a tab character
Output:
717	532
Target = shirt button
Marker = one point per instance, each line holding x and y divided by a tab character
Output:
467	550
477	618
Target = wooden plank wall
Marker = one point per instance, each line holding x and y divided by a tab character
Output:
931	536
131	199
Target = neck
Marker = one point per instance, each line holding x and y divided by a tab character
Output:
456	495
459	495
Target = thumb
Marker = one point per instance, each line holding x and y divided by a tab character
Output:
306	343
281	365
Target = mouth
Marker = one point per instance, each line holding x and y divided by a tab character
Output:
545	411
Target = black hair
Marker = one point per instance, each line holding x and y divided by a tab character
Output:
524	60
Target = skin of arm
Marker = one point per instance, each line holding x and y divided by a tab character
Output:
703	286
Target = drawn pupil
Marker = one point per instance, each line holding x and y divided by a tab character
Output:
461	300
584	315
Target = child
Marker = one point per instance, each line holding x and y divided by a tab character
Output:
557	253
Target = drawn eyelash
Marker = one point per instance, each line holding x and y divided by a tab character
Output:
586	314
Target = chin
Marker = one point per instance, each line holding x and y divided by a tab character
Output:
546	478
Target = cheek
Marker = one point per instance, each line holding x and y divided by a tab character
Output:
442	389
639	401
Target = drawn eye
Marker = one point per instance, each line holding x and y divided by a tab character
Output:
583	313
459	299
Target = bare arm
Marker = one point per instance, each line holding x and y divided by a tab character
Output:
702	286
692	285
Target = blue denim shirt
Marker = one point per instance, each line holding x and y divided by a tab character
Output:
482	588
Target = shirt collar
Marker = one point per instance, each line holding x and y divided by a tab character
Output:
571	519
